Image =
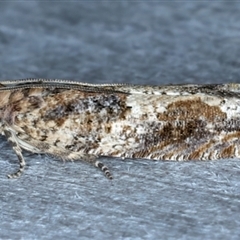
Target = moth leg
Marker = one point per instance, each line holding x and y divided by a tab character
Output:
103	168
17	149
92	159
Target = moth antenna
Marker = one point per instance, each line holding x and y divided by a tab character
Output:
104	168
16	148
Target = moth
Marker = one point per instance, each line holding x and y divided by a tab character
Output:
82	121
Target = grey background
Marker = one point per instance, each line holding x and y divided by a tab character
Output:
116	41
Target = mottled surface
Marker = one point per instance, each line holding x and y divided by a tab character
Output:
141	43
72	121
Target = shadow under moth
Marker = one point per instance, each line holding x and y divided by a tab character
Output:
81	121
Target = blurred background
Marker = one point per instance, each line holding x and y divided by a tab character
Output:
140	42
